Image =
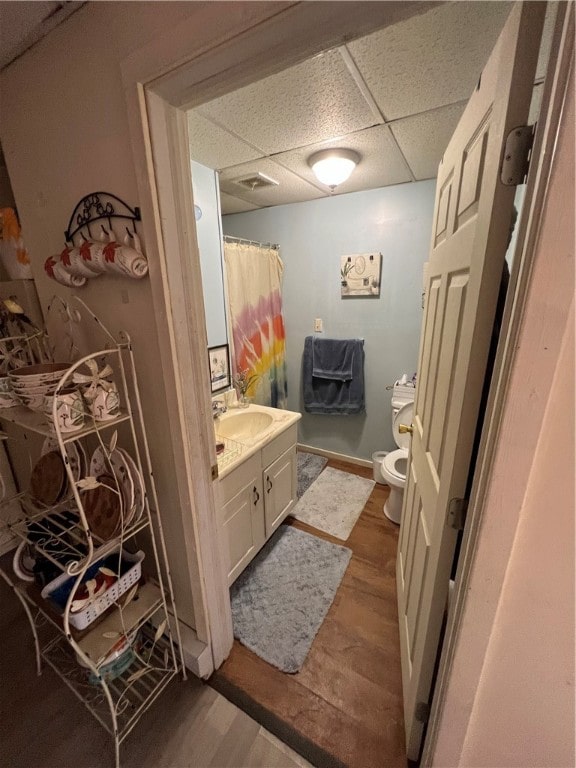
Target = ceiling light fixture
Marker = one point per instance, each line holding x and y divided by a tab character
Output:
333	166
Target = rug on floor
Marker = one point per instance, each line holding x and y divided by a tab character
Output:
280	601
309	466
334	502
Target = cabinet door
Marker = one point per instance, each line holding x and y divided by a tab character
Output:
244	526
279	489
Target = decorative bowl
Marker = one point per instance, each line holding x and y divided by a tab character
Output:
39	374
40	389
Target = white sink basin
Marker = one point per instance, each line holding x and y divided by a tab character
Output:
240	426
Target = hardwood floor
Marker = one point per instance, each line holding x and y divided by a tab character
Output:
347	698
43	725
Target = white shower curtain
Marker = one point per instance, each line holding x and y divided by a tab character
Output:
254	280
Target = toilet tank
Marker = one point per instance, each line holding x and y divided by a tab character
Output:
401	394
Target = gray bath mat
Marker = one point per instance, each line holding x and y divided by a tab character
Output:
308	468
334	502
279	602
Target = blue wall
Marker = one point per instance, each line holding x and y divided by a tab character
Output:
397	221
208	231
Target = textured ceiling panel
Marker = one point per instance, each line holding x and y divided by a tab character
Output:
214	147
430	60
230	204
290	189
305	104
380	165
424	138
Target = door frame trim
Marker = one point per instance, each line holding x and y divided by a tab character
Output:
173	72
555	90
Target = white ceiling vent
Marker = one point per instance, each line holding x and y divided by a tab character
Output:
255	181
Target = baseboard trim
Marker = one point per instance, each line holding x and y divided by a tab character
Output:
335	456
197	655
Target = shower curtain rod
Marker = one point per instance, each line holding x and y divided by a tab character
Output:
230	238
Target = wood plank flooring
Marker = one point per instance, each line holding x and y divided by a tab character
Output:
43	725
347	698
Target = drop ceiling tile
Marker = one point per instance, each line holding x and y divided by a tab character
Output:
429	60
214	147
423	138
305	104
231	204
290	189
380	165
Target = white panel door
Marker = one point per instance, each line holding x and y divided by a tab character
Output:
470	230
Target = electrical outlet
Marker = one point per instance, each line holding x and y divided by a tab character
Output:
318	325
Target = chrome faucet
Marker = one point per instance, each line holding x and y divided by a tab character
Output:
218	408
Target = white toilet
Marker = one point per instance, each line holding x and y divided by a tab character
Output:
395	464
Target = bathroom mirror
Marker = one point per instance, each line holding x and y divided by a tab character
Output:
209	233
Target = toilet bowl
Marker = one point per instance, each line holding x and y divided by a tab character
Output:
395	465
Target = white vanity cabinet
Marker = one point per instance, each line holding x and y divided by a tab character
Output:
257	496
243	514
279	479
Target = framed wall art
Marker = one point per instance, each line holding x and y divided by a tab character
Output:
360	275
219	367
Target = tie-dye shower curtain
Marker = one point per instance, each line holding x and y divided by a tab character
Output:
254	279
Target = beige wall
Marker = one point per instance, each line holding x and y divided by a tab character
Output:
510	698
64	131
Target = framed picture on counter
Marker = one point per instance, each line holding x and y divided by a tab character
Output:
219	367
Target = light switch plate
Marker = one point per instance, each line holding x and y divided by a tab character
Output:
318	325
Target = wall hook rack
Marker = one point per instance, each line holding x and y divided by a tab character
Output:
91	257
98	206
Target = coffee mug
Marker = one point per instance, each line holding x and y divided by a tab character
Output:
69	409
105	405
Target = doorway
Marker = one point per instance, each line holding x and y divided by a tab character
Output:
243	169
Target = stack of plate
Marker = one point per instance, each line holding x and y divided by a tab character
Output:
32	382
118	471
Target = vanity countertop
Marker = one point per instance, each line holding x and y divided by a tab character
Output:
245	431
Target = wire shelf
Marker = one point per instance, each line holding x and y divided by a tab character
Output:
65	536
58	535
132	692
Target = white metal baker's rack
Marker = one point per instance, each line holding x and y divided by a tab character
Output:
147	616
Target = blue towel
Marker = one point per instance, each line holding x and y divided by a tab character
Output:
333	358
333	396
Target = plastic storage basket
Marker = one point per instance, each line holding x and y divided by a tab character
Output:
57	591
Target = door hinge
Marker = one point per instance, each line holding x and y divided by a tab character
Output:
422	712
214	470
517	154
457	509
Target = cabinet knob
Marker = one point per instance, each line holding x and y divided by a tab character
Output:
256	495
269	484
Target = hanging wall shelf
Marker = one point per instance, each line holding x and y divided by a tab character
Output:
92	248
